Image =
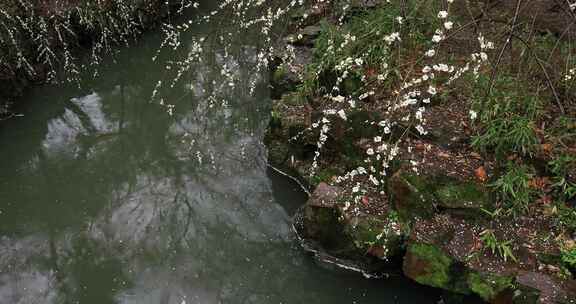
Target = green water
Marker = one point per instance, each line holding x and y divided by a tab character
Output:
104	198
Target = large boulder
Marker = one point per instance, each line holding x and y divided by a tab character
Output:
452	194
446	251
549	290
429	264
369	239
418	196
321	220
411	196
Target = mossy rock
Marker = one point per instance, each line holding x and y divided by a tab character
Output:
282	82
489	286
351	85
428	265
306	36
322	225
456	195
419	196
526	296
366	238
324	175
411	195
539	287
288	122
321	220
287	117
374	236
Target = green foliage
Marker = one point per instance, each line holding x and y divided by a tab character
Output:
361	43
559	56
569	257
324	175
508	134
493	214
513	188
507	115
563	129
368	233
560	167
502	248
455	194
566	217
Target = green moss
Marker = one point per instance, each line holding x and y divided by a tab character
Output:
437	270
366	232
488	286
569	257
323	175
412	196
462	195
352	85
279	74
322	225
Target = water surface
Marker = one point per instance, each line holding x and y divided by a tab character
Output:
105	198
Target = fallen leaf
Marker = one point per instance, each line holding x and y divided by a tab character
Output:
545	200
546	148
419	147
443	155
539	183
371	72
475	155
481	175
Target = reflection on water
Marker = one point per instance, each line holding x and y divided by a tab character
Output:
104	198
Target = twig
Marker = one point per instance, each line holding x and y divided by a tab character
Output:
499	60
548	79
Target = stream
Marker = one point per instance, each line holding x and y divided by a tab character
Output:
105	198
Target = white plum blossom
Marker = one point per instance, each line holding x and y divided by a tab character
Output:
392	37
437	38
342	114
339	98
570	75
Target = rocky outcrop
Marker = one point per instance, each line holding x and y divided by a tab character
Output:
435	217
370	241
431	225
446	252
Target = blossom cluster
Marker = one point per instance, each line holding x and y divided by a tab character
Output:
404	107
36	34
570	75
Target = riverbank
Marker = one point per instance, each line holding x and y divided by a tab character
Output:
53	41
438	141
105	198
